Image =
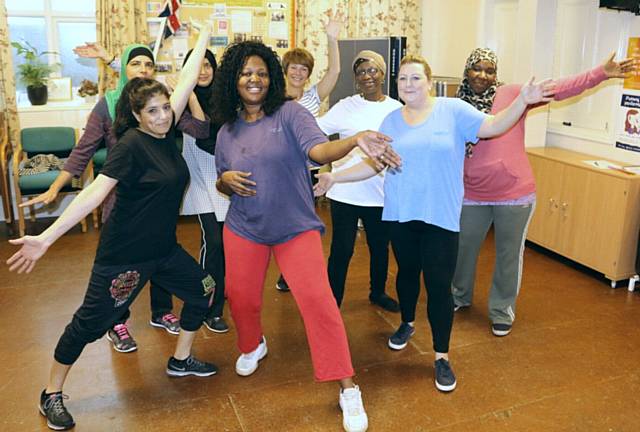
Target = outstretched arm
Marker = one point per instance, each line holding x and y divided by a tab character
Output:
33	247
330	78
190	71
530	93
374	144
361	171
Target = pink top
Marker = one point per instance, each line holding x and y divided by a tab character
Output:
499	169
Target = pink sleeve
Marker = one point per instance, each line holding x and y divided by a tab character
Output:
574	85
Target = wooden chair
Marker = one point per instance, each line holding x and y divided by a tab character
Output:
5	154
41	140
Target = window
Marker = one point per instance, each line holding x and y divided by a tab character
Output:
55	25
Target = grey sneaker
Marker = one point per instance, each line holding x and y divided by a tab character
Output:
190	366
400	338
52	407
216	324
445	378
121	339
168	321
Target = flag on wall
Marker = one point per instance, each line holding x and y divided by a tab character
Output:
170	13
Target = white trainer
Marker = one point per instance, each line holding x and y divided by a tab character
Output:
248	363
354	417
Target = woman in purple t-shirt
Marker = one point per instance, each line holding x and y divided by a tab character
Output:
262	156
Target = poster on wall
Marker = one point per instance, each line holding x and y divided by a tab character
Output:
270	22
628	118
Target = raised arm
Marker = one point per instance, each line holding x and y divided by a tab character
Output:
189	74
574	85
330	78
33	247
530	93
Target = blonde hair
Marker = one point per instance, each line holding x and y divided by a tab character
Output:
411	59
298	56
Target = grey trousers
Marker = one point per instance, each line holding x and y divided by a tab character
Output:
510	227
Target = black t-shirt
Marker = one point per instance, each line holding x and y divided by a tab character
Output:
152	177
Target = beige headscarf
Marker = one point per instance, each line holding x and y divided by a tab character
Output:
371	56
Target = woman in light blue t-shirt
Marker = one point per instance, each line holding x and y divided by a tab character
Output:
423	198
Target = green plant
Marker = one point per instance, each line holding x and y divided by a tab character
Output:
33	72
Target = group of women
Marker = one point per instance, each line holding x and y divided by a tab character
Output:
264	143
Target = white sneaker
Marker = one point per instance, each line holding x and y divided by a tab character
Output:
248	363
354	418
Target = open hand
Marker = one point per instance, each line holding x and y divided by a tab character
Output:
334	25
33	247
540	92
92	50
239	182
376	146
622	69
325	181
45	197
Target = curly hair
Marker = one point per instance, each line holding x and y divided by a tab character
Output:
134	97
225	88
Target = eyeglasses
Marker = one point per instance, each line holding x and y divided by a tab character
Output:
367	71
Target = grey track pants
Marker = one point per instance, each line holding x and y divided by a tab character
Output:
510	226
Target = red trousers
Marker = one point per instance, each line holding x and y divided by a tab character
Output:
302	263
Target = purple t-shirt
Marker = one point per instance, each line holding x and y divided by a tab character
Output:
275	151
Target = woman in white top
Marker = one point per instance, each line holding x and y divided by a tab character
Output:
363	199
297	65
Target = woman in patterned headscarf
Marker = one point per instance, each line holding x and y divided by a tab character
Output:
499	184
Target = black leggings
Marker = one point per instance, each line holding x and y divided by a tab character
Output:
344	218
419	246
212	257
112	289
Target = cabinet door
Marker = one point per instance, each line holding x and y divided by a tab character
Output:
543	228
591	215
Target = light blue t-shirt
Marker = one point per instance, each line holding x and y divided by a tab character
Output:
428	187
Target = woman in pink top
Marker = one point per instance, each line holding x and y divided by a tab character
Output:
499	184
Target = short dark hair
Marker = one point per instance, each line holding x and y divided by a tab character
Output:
134	97
225	89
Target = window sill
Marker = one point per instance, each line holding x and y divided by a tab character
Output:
72	105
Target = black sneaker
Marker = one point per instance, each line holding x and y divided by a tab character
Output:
190	366
499	329
121	339
281	285
385	302
445	378
52	407
216	324
401	337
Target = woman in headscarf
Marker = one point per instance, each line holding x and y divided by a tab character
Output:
364	199
499	184
202	198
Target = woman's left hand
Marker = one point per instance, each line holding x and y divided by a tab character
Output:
540	92
622	69
334	25
325	181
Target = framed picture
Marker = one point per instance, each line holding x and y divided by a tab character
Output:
59	89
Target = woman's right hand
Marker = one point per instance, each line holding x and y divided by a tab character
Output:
33	247
325	181
92	50
239	182
46	197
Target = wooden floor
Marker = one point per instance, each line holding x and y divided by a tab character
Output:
570	364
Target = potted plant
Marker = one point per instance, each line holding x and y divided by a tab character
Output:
88	90
34	72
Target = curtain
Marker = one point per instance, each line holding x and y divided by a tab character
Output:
118	24
7	79
365	18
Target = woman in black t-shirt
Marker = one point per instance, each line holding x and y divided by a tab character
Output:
138	241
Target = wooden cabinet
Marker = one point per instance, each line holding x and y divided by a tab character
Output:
587	214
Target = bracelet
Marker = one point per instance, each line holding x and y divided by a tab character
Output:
111	61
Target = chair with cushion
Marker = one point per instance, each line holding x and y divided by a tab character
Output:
58	141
